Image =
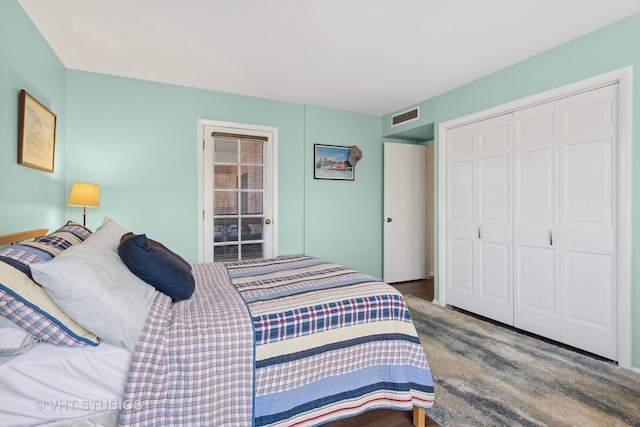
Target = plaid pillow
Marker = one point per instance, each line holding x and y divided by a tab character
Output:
25	303
22	255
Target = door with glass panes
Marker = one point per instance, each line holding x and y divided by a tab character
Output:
238	194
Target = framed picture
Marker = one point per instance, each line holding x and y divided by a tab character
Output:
332	162
36	134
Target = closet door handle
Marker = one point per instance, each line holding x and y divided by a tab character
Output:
479	232
550	237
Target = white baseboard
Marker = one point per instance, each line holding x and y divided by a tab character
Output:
631	368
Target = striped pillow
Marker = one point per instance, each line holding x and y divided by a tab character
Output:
22	255
25	303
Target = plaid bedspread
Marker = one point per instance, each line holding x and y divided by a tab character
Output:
331	342
288	341
193	364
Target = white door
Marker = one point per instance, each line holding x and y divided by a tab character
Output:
537	283
588	219
565	220
238	194
479	218
405	210
571	206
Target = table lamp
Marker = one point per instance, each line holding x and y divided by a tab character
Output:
86	195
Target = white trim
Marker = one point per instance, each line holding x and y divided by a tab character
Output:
624	77
247	129
625	91
201	204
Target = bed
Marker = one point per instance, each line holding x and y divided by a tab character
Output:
292	340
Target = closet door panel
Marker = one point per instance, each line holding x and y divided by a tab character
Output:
590	115
536	277
461	273
588	220
588	184
535	191
494	199
537	285
588	282
495	282
495	229
536	126
494	190
461	217
461	185
479	218
494	133
460	143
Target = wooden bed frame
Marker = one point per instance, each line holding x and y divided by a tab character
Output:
7	239
419	414
419	417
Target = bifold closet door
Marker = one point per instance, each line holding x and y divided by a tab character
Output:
588	219
479	223
565	220
537	284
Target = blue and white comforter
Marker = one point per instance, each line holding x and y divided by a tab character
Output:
278	342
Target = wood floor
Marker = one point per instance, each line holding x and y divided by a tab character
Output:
387	417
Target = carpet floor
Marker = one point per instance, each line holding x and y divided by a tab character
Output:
486	375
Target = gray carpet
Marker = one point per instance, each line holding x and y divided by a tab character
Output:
486	375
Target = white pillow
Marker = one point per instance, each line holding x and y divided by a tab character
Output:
13	339
24	302
108	235
94	287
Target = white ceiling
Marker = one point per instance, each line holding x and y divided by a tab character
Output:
370	56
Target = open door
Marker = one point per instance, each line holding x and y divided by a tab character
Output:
405	212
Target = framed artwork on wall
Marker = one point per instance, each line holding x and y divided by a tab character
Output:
36	134
332	162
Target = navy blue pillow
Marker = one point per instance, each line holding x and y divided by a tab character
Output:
155	264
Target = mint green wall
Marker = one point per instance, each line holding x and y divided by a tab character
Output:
138	140
29	198
343	219
610	48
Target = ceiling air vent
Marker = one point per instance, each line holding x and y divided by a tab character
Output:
405	117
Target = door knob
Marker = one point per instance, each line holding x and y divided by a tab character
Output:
389	220
268	221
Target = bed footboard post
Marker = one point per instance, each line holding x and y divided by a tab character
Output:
419	417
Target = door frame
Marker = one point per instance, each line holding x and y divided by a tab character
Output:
624	78
203	199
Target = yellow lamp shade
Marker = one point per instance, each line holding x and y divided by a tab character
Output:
84	194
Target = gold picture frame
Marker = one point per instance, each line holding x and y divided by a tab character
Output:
36	134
